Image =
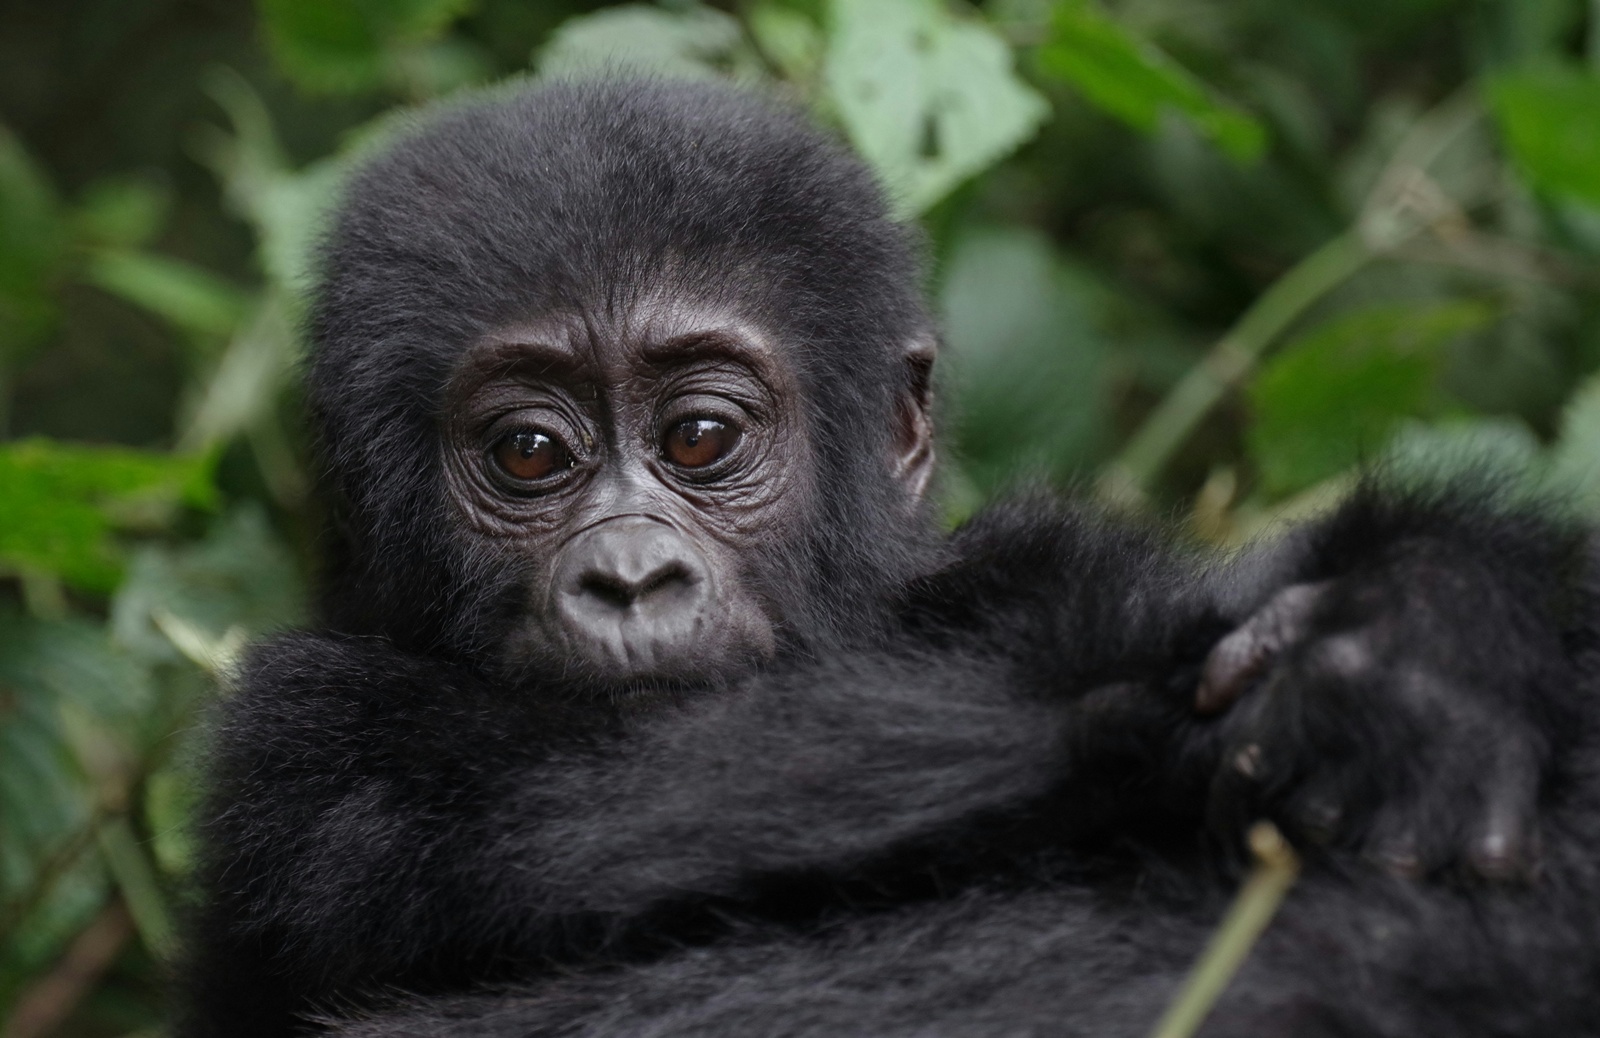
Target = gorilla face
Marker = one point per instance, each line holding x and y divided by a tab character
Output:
640	473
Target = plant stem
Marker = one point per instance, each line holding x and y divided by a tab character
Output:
1258	900
1233	357
135	877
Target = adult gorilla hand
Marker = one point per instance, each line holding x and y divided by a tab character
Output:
1408	711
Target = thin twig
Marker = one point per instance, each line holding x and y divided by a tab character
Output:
1233	357
1403	203
1251	911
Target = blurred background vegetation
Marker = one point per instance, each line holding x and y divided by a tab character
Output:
1200	257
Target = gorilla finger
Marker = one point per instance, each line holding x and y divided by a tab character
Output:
1234	801
1231	665
1243	655
1399	855
1504	846
1318	813
1249	762
1397	845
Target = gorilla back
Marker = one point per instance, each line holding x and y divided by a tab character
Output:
646	699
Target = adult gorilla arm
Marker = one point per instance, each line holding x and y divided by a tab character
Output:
386	820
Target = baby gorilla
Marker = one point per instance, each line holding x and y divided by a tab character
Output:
647	699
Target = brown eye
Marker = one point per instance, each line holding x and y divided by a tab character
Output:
528	454
697	442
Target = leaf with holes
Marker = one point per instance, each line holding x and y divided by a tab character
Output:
696	42
929	99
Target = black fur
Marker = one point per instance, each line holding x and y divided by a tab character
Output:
970	795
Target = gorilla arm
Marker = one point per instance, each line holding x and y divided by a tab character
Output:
387	820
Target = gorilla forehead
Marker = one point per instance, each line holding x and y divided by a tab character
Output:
585	197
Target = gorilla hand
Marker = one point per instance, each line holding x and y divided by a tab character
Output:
1407	712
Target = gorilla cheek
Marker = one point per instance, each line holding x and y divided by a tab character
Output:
637	598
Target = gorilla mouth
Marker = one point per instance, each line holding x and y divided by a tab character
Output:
653	689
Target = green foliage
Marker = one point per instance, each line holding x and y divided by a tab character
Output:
122	211
239	578
1223	254
1024	349
348	46
1135	82
1548	115
64	501
693	42
32	241
927	97
190	297
1336	394
1575	459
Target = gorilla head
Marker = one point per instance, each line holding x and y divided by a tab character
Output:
623	387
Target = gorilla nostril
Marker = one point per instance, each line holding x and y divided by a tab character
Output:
668	575
610	590
620	592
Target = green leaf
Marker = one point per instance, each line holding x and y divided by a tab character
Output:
285	207
929	99
1133	81
1575	458
1024	351
241	576
1548	117
1338	392
63	503
33	244
346	46
694	42
120	211
789	39
190	297
72	716
1500	449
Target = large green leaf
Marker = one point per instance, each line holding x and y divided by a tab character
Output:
928	98
63	502
1132	80
1550	119
346	46
1339	391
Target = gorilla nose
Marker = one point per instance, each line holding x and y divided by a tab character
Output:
636	590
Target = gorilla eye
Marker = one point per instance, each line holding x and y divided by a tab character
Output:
530	455
697	442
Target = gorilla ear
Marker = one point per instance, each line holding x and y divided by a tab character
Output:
913	442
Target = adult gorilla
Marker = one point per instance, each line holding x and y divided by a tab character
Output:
647	700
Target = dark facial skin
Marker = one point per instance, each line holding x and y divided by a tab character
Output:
639	473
